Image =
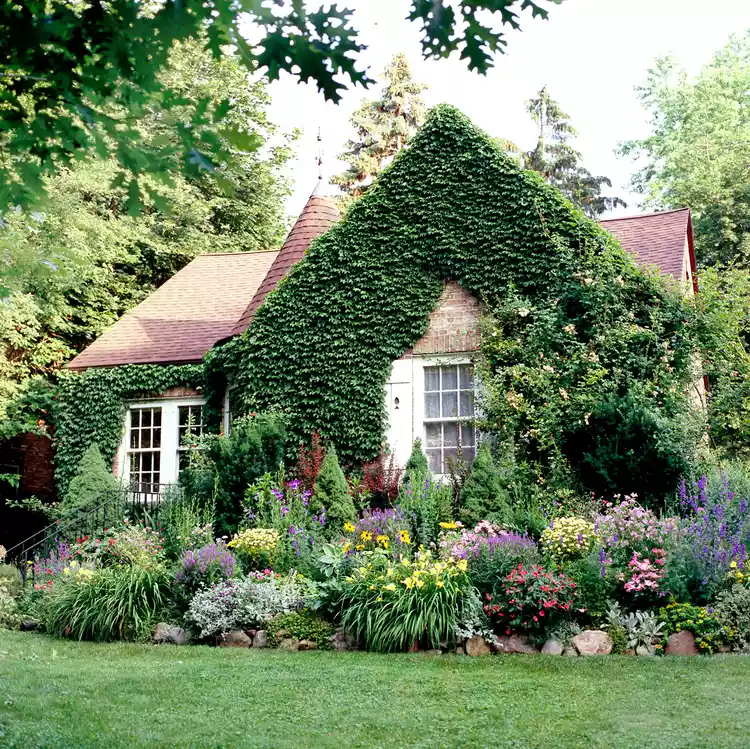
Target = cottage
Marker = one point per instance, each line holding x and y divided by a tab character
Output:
211	306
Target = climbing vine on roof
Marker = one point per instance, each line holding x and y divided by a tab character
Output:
450	207
92	408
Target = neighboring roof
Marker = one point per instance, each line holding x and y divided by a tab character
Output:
655	238
317	217
184	317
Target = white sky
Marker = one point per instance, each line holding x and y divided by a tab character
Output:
591	54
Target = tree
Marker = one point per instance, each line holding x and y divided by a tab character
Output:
76	78
417	462
482	495
91	485
84	258
559	163
383	126
698	152
332	493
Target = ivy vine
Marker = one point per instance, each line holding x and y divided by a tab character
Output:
92	408
450	207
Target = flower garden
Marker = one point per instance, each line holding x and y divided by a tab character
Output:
397	562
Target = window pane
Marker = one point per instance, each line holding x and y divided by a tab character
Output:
450	455
432	378
146	438
433	461
157	463
469	454
450	378
450	404
467	403
467	436
433	435
184	415
467	376
450	434
134	439
432	405
135	417
146	417
156	438
157	417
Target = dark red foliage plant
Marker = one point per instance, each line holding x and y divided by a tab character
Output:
382	479
309	461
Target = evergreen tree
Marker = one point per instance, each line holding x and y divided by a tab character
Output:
417	462
332	492
91	484
559	163
383	128
482	495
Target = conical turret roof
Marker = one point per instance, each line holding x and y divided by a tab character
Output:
317	217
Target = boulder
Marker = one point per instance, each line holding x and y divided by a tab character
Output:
433	652
477	646
261	639
570	652
308	645
289	643
593	642
235	639
516	644
553	646
681	643
167	633
29	625
342	640
644	650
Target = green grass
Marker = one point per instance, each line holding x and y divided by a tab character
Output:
56	693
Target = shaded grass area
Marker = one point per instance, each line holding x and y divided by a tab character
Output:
56	693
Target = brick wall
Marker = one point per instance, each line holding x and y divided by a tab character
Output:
454	323
38	469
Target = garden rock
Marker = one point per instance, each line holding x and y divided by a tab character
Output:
516	644
593	642
644	650
433	652
570	652
167	633
342	640
29	625
477	646
308	645
261	639
681	643
289	643
234	639
553	646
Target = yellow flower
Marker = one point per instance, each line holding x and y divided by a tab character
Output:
366	536
347	546
390	586
462	564
419	582
405	538
449	526
359	547
408	582
440	583
349	527
383	541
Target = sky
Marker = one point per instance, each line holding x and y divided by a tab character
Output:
591	54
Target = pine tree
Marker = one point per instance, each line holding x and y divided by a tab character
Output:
332	492
383	128
482	496
91	484
559	163
417	462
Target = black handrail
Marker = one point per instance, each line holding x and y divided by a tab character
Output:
80	523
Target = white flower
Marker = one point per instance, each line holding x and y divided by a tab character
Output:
523	311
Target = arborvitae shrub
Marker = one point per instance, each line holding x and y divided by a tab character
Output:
482	495
331	492
92	484
417	462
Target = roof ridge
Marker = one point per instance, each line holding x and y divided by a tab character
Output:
233	254
643	215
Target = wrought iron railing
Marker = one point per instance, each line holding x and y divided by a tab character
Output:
136	503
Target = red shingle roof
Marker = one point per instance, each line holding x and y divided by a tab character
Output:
186	316
318	216
654	238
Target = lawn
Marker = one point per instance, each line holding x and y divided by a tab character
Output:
61	694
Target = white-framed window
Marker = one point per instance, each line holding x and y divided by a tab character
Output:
448	414
189	426
152	450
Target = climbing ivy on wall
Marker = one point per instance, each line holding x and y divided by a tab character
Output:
450	207
92	408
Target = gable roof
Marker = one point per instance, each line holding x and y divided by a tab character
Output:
656	239
184	317
317	217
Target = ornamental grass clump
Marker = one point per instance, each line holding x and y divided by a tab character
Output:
395	604
567	538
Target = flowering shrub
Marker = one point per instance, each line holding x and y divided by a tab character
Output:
256	544
210	564
384	529
567	538
530	599
394	603
425	503
247	602
708	630
629	526
732	609
646	573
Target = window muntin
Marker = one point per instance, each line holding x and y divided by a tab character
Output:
144	448
449	414
189	425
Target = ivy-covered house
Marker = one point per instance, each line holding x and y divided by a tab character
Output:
363	328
